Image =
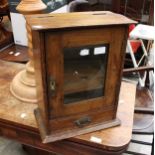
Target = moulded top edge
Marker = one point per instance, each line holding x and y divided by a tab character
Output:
78	19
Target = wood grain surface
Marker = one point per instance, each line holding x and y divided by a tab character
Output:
15	53
83	19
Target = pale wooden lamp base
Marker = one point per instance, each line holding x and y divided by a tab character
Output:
22	89
23	86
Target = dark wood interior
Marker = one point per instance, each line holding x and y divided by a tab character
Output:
135	10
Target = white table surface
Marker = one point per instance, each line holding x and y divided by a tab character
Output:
143	32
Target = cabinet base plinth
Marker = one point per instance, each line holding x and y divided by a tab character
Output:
47	138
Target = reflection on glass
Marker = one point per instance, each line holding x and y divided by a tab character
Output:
84	72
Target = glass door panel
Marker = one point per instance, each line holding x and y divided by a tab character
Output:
84	72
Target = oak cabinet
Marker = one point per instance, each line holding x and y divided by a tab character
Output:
78	60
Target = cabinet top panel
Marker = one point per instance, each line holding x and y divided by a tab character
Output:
75	20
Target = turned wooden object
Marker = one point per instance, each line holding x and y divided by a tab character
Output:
23	85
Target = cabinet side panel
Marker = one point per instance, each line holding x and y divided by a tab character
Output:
40	74
121	55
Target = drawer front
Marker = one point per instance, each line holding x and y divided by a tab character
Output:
84	120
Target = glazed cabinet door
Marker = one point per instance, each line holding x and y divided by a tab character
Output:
82	74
